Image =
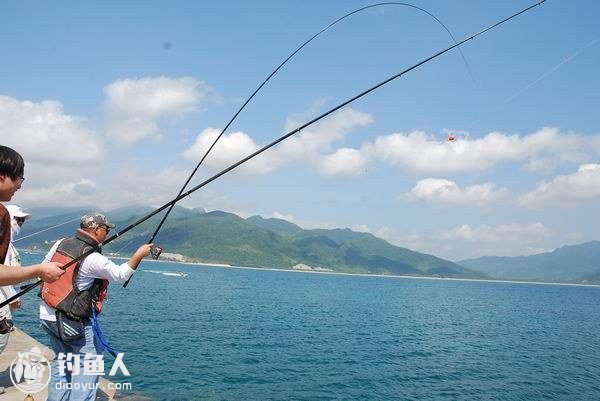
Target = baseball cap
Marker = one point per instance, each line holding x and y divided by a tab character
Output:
16	211
95	220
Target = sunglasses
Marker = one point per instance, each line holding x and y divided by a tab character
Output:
106	228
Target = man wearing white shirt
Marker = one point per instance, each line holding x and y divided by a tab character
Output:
71	303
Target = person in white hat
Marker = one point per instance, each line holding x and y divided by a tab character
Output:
17	218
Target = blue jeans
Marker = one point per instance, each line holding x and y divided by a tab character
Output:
4	337
84	387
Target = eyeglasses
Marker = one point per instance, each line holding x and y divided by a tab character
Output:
19	179
106	228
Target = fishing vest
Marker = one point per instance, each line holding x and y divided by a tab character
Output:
63	294
4	233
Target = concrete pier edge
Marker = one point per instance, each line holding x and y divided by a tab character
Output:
19	341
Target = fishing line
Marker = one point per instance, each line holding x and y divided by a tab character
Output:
46	229
551	70
391	3
275	142
528	86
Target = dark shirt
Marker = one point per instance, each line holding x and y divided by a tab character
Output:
4	233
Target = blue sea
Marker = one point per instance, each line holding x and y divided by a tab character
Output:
241	334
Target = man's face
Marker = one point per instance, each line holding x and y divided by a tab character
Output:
8	187
101	232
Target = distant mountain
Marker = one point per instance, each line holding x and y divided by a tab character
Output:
221	237
126	212
568	263
279	226
51	224
593	278
344	249
39	213
44	227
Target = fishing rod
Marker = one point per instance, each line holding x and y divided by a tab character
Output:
275	142
156	251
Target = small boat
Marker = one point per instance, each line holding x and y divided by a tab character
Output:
177	274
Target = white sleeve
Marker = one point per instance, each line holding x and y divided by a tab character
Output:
52	251
99	266
9	291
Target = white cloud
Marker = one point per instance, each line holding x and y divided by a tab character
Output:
282	216
361	228
501	240
344	162
407	239
410	240
318	138
419	152
75	193
467	242
566	190
230	149
132	184
135	185
127	185
445	191
502	234
135	106
43	133
314	145
311	147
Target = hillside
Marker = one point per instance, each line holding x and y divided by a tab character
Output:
568	263
221	237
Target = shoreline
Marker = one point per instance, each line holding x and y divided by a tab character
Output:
417	277
226	266
374	275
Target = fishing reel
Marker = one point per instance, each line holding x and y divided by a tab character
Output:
155	251
6	325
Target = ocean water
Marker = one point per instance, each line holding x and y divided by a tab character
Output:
239	334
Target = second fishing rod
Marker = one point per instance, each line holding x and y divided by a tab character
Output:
156	250
270	145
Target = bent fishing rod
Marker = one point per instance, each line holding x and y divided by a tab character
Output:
156	251
270	145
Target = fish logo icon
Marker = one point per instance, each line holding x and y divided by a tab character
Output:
30	371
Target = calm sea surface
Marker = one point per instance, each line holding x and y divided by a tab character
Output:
236	334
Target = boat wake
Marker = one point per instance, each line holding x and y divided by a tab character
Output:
165	273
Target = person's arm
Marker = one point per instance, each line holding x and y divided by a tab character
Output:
99	266
140	254
47	272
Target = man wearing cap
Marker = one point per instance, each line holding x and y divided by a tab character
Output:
70	305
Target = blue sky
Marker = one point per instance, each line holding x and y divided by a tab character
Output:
112	104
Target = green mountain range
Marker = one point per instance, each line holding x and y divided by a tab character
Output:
578	263
221	237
